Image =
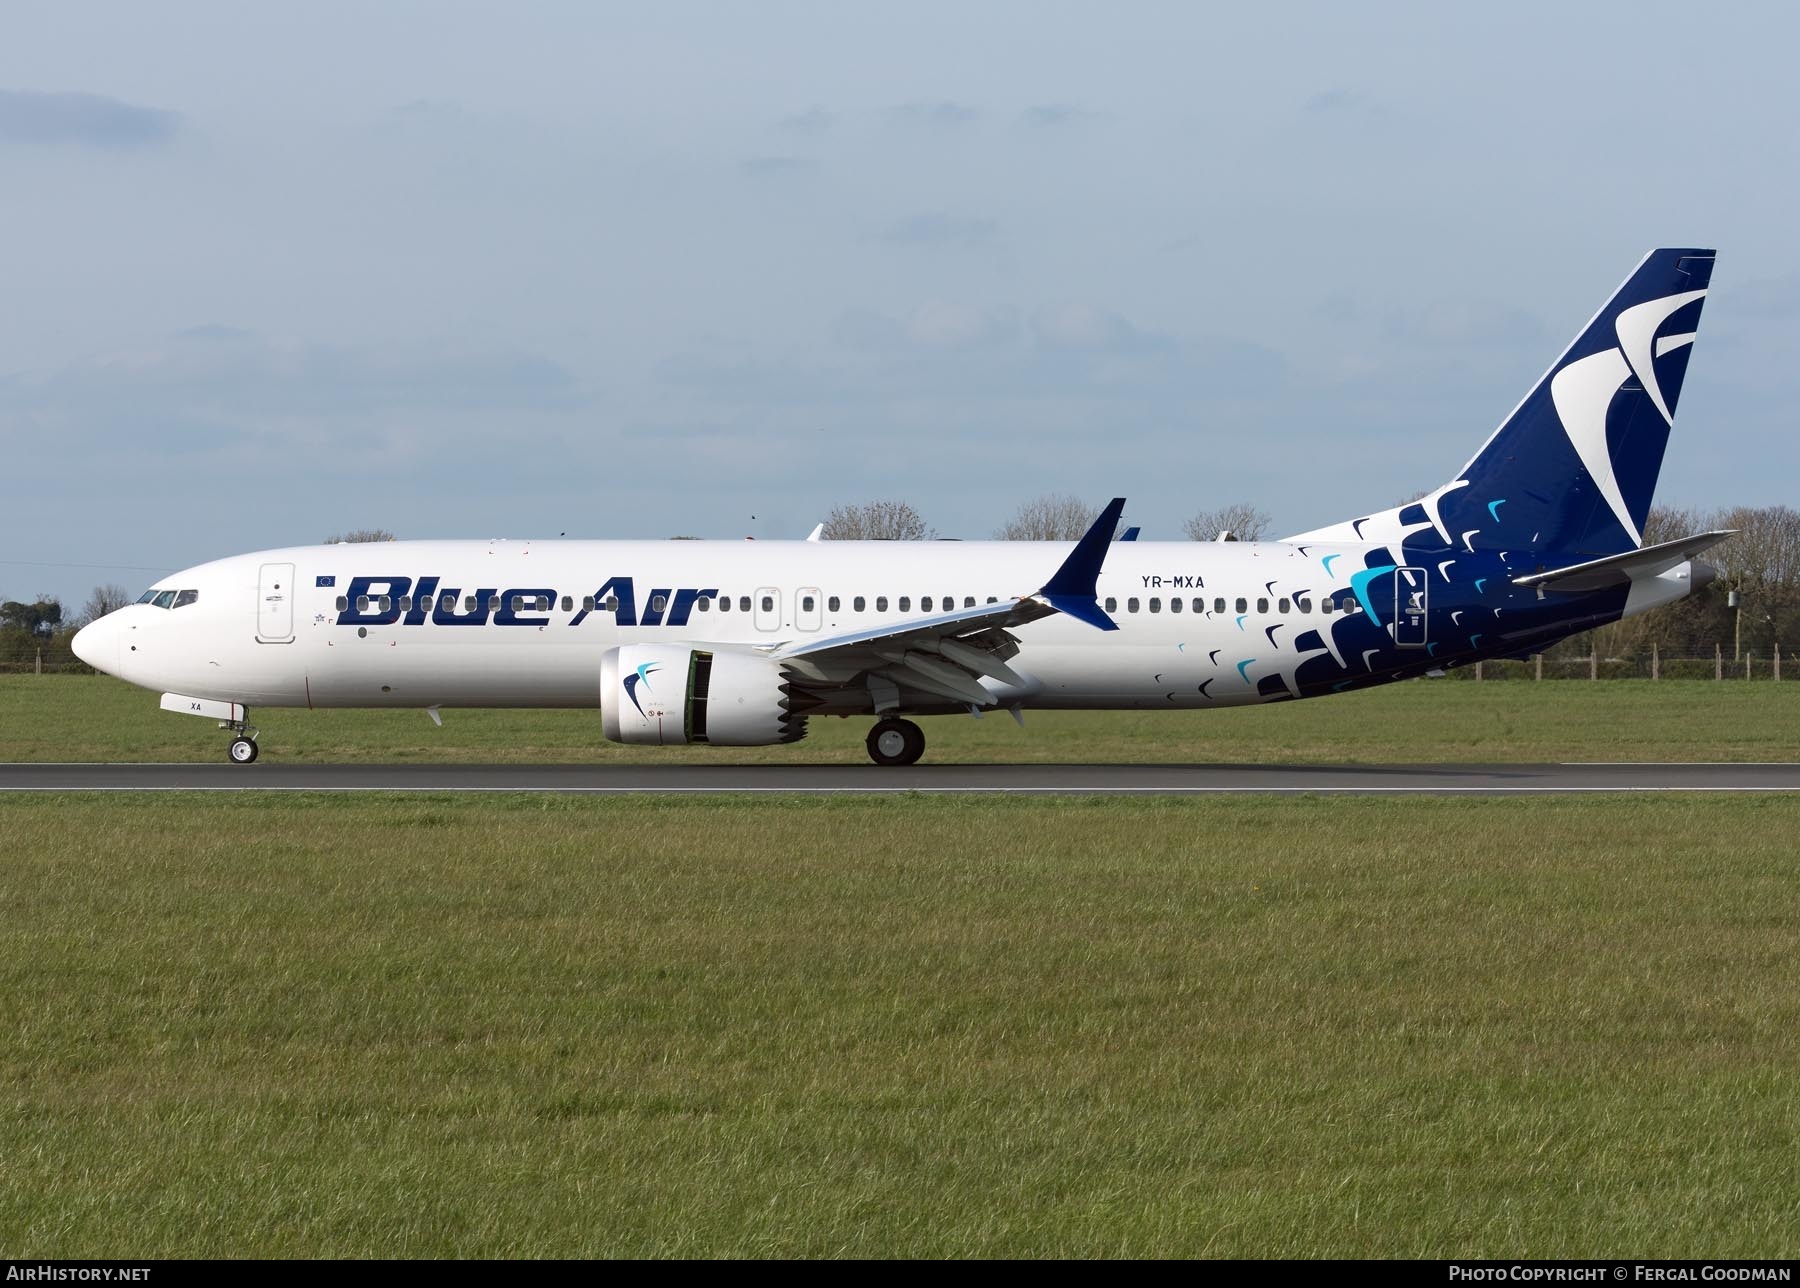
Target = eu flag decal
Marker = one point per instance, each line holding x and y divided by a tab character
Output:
325	581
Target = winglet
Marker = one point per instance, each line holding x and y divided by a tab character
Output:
817	533
1073	588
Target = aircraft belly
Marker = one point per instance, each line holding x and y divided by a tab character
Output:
394	672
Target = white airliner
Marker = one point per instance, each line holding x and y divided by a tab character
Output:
739	643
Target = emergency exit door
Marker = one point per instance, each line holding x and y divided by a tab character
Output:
1411	608
275	604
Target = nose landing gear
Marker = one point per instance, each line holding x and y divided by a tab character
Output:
243	747
896	742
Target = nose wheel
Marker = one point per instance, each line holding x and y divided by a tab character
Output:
896	742
243	747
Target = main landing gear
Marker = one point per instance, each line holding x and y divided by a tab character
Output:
243	747
896	742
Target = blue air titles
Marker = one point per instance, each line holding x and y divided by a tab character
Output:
513	606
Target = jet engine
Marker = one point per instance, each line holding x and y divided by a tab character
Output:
656	695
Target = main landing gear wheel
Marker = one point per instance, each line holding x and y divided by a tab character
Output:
243	750
896	742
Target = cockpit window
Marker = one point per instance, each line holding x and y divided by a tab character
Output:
164	598
185	597
149	596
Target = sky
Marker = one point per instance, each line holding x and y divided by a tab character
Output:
272	272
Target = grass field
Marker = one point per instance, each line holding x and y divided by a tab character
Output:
551	1026
98	718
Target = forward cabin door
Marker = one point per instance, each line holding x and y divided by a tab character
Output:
1411	608
275	604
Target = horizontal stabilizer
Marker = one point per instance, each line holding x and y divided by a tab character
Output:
1619	570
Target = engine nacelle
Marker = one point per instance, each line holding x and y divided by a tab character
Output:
667	695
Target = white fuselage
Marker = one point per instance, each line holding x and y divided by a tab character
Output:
264	629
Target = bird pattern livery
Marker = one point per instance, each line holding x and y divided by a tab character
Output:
1539	536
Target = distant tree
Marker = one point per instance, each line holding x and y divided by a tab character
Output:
104	600
39	618
1241	519
359	536
876	521
1055	516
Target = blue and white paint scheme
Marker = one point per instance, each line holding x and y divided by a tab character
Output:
1538	537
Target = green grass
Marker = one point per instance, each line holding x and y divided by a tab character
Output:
551	1026
95	718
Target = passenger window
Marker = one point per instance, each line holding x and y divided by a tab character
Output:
992	600
468	603
342	603
1243	605
968	601
1112	604
1262	605
859	603
806	603
406	603
387	604
1199	604
906	603
1219	605
362	603
612	603
424	603
1175	604
1283	605
1326	606
703	604
881	603
768	603
1156	604
1304	605
743	603
658	603
832	604
1131	605
724	603
925	604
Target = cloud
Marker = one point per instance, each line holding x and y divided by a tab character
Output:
1463	321
942	115
214	331
1338	100
1089	329
250	380
936	324
1050	116
83	119
815	120
1769	297
779	167
936	228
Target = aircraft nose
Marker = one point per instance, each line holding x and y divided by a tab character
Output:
97	644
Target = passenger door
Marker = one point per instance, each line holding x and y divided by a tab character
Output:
275	604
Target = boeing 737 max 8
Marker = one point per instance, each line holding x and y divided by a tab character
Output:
738	644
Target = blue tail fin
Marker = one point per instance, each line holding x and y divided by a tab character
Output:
1576	462
1573	468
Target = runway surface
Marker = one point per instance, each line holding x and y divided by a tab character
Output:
1050	780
